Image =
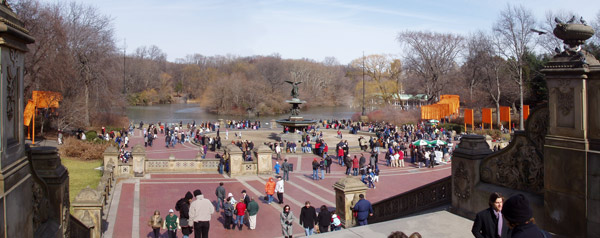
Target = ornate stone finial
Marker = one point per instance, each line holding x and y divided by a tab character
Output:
573	34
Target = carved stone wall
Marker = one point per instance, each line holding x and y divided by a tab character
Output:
428	196
520	165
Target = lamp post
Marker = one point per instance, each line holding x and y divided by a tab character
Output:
363	87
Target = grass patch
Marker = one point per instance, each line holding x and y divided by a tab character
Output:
82	173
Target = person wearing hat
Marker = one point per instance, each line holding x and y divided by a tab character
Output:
520	218
200	211
490	223
171	224
183	206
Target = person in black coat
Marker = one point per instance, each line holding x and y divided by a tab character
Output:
520	219
308	218
486	222
324	219
183	206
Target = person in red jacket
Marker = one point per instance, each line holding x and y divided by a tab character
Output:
340	152
325	150
355	166
240	209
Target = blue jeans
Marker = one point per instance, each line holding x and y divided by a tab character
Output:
355	171
309	231
239	220
315	175
270	198
220	171
362	223
219	204
341	160
322	173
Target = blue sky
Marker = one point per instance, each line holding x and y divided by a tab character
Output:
295	29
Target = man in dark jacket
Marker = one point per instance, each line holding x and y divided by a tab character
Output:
308	218
490	223
364	210
520	218
286	170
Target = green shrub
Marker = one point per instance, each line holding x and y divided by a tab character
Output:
91	135
451	126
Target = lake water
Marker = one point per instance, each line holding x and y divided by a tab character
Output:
190	112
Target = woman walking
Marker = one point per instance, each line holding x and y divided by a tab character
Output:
287	218
156	222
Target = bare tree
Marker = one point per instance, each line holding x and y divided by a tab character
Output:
430	56
382	71
514	36
478	50
596	26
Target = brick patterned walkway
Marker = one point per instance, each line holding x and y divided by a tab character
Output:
161	191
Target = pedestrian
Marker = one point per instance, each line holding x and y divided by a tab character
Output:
171	224
315	169
278	151
60	137
220	192
156	223
324	219
252	211
490	223
287	218
277	167
336	224
363	209
348	163
328	162
228	213
240	211
200	211
308	218
270	190
322	165
520	219
355	166
431	159
279	189
245	197
286	170
221	164
183	206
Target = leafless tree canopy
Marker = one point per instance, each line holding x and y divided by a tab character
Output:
430	56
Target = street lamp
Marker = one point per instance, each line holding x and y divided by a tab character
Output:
363	87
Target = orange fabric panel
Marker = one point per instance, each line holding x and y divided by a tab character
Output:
486	115
525	112
46	99
505	114
469	116
28	113
453	101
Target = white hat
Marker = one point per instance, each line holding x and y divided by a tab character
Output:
230	195
170	210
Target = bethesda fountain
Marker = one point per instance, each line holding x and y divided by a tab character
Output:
295	122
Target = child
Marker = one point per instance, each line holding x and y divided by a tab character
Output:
277	167
171	224
336	224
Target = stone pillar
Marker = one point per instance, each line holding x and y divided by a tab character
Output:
139	160
571	166
593	155
466	161
18	218
46	163
265	160
273	124
111	155
346	195
235	161
87	208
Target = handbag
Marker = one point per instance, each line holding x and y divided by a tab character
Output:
355	213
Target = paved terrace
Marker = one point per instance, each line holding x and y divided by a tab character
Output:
135	200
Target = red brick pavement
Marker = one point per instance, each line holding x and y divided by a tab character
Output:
161	191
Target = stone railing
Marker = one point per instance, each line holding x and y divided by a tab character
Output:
426	197
78	229
91	204
177	165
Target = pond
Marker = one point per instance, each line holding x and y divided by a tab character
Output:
190	112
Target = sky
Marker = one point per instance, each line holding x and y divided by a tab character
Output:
295	29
